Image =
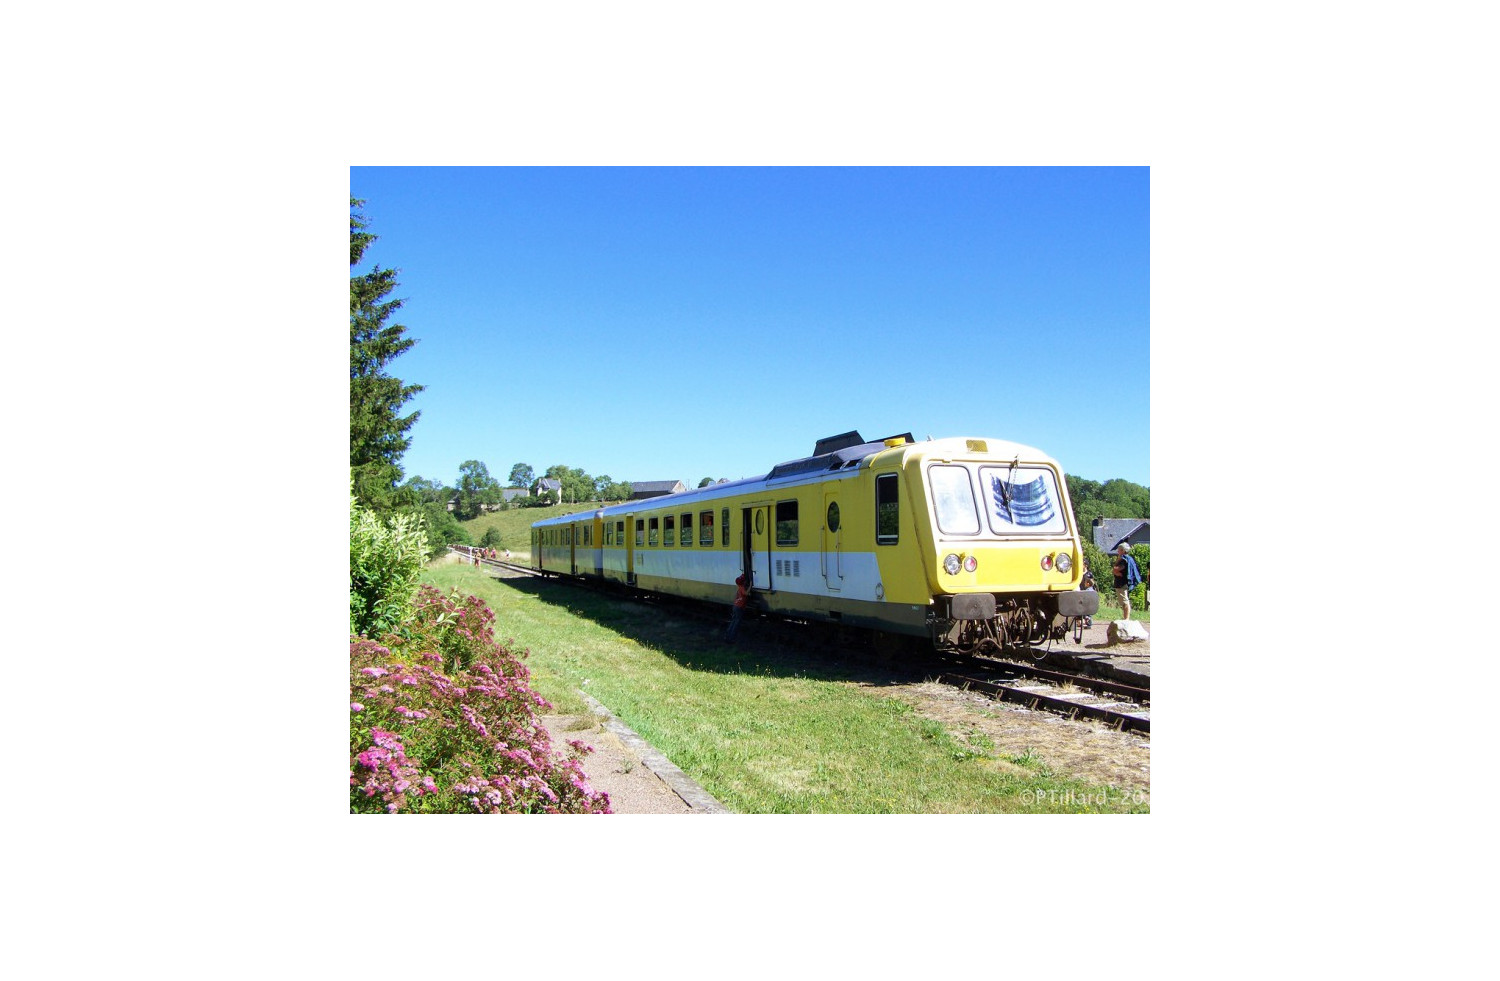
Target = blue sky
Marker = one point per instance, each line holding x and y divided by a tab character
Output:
680	323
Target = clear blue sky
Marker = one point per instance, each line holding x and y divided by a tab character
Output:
681	323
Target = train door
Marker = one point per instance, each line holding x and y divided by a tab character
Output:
756	527
833	538
630	549
573	532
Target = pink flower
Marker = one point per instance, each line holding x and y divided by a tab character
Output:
356	707
374	672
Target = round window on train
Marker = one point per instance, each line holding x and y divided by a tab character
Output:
760	522
833	515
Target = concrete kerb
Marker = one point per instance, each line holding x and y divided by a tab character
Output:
682	785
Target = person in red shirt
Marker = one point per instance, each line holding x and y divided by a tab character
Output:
737	613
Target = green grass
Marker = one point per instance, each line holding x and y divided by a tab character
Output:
1108	611
763	729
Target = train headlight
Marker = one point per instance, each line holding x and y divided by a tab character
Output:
970	564
951	564
1046	563
1064	562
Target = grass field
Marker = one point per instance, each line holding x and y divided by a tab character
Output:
763	729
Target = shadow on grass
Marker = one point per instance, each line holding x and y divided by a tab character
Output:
692	634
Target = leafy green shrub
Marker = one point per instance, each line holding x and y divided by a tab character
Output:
492	539
463	742
385	561
443	529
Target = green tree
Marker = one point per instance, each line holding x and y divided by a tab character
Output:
377	429
426	491
475	488
521	476
576	484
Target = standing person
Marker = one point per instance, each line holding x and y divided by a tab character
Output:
741	597
1127	577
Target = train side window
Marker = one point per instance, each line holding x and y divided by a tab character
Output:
887	509
786	522
687	530
724	526
619	534
706	528
640	532
653	532
669	533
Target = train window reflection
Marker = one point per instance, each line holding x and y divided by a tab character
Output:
1023	499
786	522
953	500
887	509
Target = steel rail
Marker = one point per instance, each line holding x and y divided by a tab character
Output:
1120	715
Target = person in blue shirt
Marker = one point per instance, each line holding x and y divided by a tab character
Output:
1127	577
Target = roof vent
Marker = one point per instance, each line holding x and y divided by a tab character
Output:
832	444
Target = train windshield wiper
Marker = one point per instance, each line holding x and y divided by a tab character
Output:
1005	490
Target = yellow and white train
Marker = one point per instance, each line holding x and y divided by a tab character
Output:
968	542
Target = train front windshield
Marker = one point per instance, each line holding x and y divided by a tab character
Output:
1016	500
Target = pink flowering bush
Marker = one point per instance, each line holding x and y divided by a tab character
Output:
444	721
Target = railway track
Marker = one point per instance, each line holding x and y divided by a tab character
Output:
1076	696
1115	704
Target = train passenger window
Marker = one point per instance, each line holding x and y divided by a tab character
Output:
953	500
669	536
786	522
706	528
887	509
653	532
619	534
724	526
609	535
640	532
687	530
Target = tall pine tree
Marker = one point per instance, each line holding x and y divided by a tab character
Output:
377	430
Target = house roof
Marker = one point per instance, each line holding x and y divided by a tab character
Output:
549	483
659	486
1110	532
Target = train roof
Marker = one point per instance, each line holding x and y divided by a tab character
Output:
845	452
